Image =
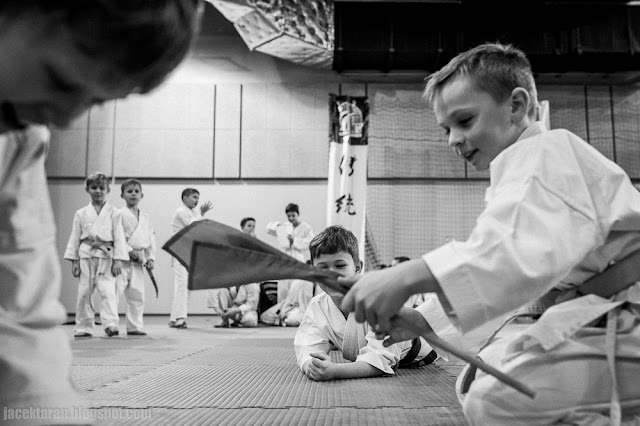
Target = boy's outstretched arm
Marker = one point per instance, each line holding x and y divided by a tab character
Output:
321	368
378	295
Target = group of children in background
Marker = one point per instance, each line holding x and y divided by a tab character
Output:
110	248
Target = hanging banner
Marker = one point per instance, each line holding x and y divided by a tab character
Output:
347	192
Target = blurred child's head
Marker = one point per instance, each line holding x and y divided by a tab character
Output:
336	249
190	197
97	186
248	225
131	192
293	212
68	55
484	98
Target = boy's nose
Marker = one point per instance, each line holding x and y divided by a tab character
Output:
455	139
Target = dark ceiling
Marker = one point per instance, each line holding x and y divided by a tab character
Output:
558	36
576	38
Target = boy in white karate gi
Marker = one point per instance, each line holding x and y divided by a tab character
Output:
237	305
293	238
325	326
184	215
96	249
141	245
59	59
557	213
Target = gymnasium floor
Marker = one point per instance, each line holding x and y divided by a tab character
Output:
243	376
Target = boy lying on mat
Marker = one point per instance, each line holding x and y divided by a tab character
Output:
326	327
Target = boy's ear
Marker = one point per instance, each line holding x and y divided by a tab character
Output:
520	101
359	266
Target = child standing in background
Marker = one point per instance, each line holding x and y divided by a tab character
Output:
293	238
185	214
141	244
96	249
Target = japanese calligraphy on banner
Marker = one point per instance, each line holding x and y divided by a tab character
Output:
347	192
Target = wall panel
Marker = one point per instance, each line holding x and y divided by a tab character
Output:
164	153
167	134
227	131
68	149
284	130
100	147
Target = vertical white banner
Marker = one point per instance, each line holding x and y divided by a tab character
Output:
347	191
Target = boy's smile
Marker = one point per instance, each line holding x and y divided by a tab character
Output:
478	127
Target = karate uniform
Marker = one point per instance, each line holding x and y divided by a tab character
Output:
141	240
35	356
182	217
557	213
291	310
324	328
299	249
89	228
245	297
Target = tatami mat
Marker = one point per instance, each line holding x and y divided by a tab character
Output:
203	376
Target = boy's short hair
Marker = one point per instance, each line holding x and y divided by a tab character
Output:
144	40
334	239
292	208
245	220
130	182
188	191
96	178
494	68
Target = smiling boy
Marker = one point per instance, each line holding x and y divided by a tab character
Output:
557	213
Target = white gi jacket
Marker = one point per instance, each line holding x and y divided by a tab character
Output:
323	328
139	234
302	236
557	212
89	226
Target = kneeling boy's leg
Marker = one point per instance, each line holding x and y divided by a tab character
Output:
35	356
572	384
